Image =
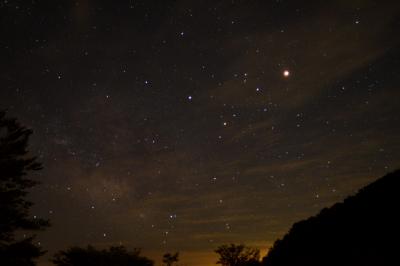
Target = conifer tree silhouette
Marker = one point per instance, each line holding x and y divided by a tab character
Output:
15	164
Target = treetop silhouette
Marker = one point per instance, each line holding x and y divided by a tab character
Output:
114	256
237	255
15	165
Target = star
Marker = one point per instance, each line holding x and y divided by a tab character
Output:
286	73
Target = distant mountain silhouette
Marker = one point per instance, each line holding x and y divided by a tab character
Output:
361	231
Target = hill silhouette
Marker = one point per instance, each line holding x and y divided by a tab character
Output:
362	230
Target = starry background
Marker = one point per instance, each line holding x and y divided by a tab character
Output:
171	125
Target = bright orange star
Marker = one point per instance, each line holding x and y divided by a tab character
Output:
286	73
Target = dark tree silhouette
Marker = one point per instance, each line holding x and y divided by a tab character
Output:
15	164
362	231
169	259
114	256
238	255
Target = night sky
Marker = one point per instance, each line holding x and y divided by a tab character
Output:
183	125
